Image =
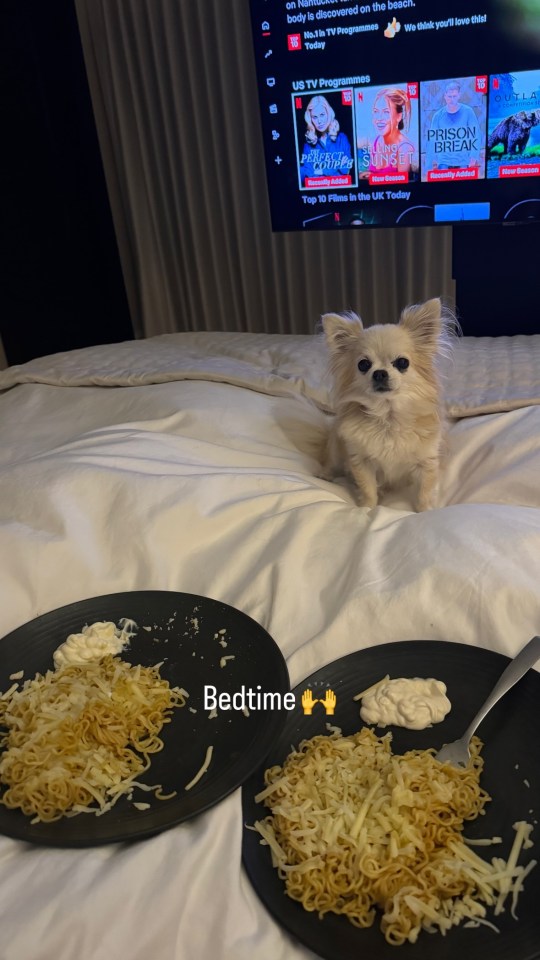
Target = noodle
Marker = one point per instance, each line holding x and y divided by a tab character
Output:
203	769
78	736
355	829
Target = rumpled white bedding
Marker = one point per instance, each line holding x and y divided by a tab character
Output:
485	374
202	477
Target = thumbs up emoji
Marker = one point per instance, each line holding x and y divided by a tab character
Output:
392	29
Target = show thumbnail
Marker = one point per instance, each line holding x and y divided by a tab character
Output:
453	129
513	145
325	136
387	133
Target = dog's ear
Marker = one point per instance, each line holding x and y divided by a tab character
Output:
424	322
341	329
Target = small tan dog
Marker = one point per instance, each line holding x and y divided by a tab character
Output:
389	424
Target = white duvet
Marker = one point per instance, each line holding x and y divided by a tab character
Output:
189	462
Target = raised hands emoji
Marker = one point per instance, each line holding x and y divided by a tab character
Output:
308	702
329	703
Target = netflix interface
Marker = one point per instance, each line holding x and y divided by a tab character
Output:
389	114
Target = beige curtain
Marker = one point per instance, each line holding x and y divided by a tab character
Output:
174	91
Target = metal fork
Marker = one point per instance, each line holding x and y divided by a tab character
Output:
458	753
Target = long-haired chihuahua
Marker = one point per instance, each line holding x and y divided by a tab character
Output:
389	422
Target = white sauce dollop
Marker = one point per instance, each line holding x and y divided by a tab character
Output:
415	703
94	642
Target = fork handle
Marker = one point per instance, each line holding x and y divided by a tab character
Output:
525	659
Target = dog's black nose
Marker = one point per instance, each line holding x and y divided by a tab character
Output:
380	376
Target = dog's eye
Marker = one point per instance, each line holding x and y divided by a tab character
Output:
364	365
401	364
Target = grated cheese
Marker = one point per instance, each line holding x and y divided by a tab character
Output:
339	802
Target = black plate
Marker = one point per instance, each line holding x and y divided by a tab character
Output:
511	733
182	634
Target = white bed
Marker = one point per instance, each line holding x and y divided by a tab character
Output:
189	462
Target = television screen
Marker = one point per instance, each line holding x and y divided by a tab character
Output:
399	113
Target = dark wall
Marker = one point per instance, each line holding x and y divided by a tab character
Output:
61	280
496	274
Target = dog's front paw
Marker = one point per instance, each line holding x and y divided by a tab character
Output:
326	473
424	503
427	497
365	501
